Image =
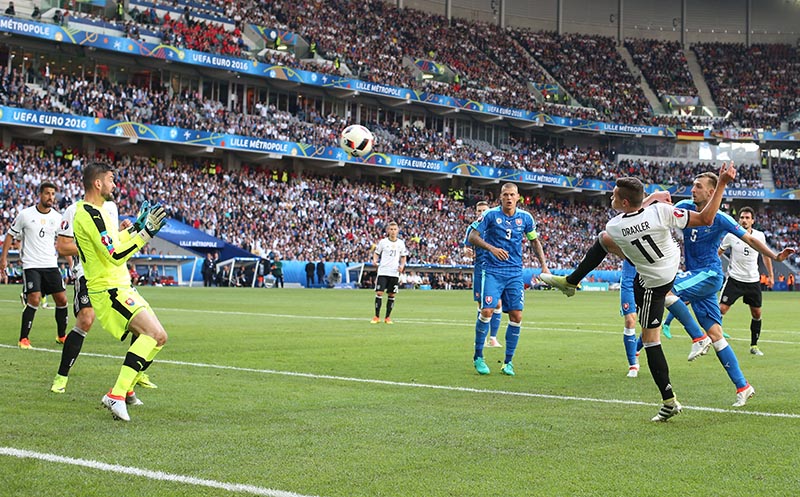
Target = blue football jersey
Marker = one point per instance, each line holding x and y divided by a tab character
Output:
508	233
700	243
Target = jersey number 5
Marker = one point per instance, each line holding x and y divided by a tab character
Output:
649	239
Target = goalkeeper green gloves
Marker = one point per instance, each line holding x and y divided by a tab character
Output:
141	217
155	220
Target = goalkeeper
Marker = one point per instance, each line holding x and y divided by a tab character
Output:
103	251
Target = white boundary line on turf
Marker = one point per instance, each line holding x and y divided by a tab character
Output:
146	473
433	387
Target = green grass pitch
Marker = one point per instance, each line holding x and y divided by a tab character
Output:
294	392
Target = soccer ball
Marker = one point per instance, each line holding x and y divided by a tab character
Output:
356	140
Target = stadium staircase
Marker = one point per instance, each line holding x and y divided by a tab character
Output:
550	78
767	179
655	103
57	104
700	81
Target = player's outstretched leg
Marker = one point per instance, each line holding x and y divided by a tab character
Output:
728	359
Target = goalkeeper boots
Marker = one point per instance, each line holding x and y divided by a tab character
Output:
143	380
117	406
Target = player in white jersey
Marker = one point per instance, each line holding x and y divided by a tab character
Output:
82	306
743	276
390	257
642	235
35	227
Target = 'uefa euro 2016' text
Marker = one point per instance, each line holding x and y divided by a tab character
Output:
48	120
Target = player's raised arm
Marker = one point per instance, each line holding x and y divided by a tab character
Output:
727	173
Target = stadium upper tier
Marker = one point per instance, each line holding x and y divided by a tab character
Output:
485	63
186	110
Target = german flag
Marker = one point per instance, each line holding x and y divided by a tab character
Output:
683	134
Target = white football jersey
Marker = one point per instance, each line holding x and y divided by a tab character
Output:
390	252
37	232
68	219
743	266
645	238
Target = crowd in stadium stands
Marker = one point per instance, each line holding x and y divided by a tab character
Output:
592	70
309	217
757	84
493	65
781	229
786	174
301	217
185	109
663	65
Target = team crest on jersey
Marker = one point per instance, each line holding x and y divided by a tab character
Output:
499	221
679	213
519	222
105	238
488	299
64	224
130	302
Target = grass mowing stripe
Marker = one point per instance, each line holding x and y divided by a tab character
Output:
146	473
430	386
440	322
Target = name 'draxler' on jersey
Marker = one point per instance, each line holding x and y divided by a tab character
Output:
636	228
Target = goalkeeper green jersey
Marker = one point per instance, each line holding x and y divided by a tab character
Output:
103	249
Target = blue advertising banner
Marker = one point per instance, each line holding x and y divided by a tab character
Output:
134	130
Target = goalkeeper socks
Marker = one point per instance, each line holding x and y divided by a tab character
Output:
72	347
755	331
481	330
512	337
680	311
494	325
135	360
591	260
659	369
728	360
389	306
27	321
378	303
629	338
61	320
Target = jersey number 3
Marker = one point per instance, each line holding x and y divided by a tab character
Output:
639	245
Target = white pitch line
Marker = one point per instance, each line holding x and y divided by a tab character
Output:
431	386
146	473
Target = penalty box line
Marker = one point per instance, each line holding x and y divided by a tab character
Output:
146	473
449	388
